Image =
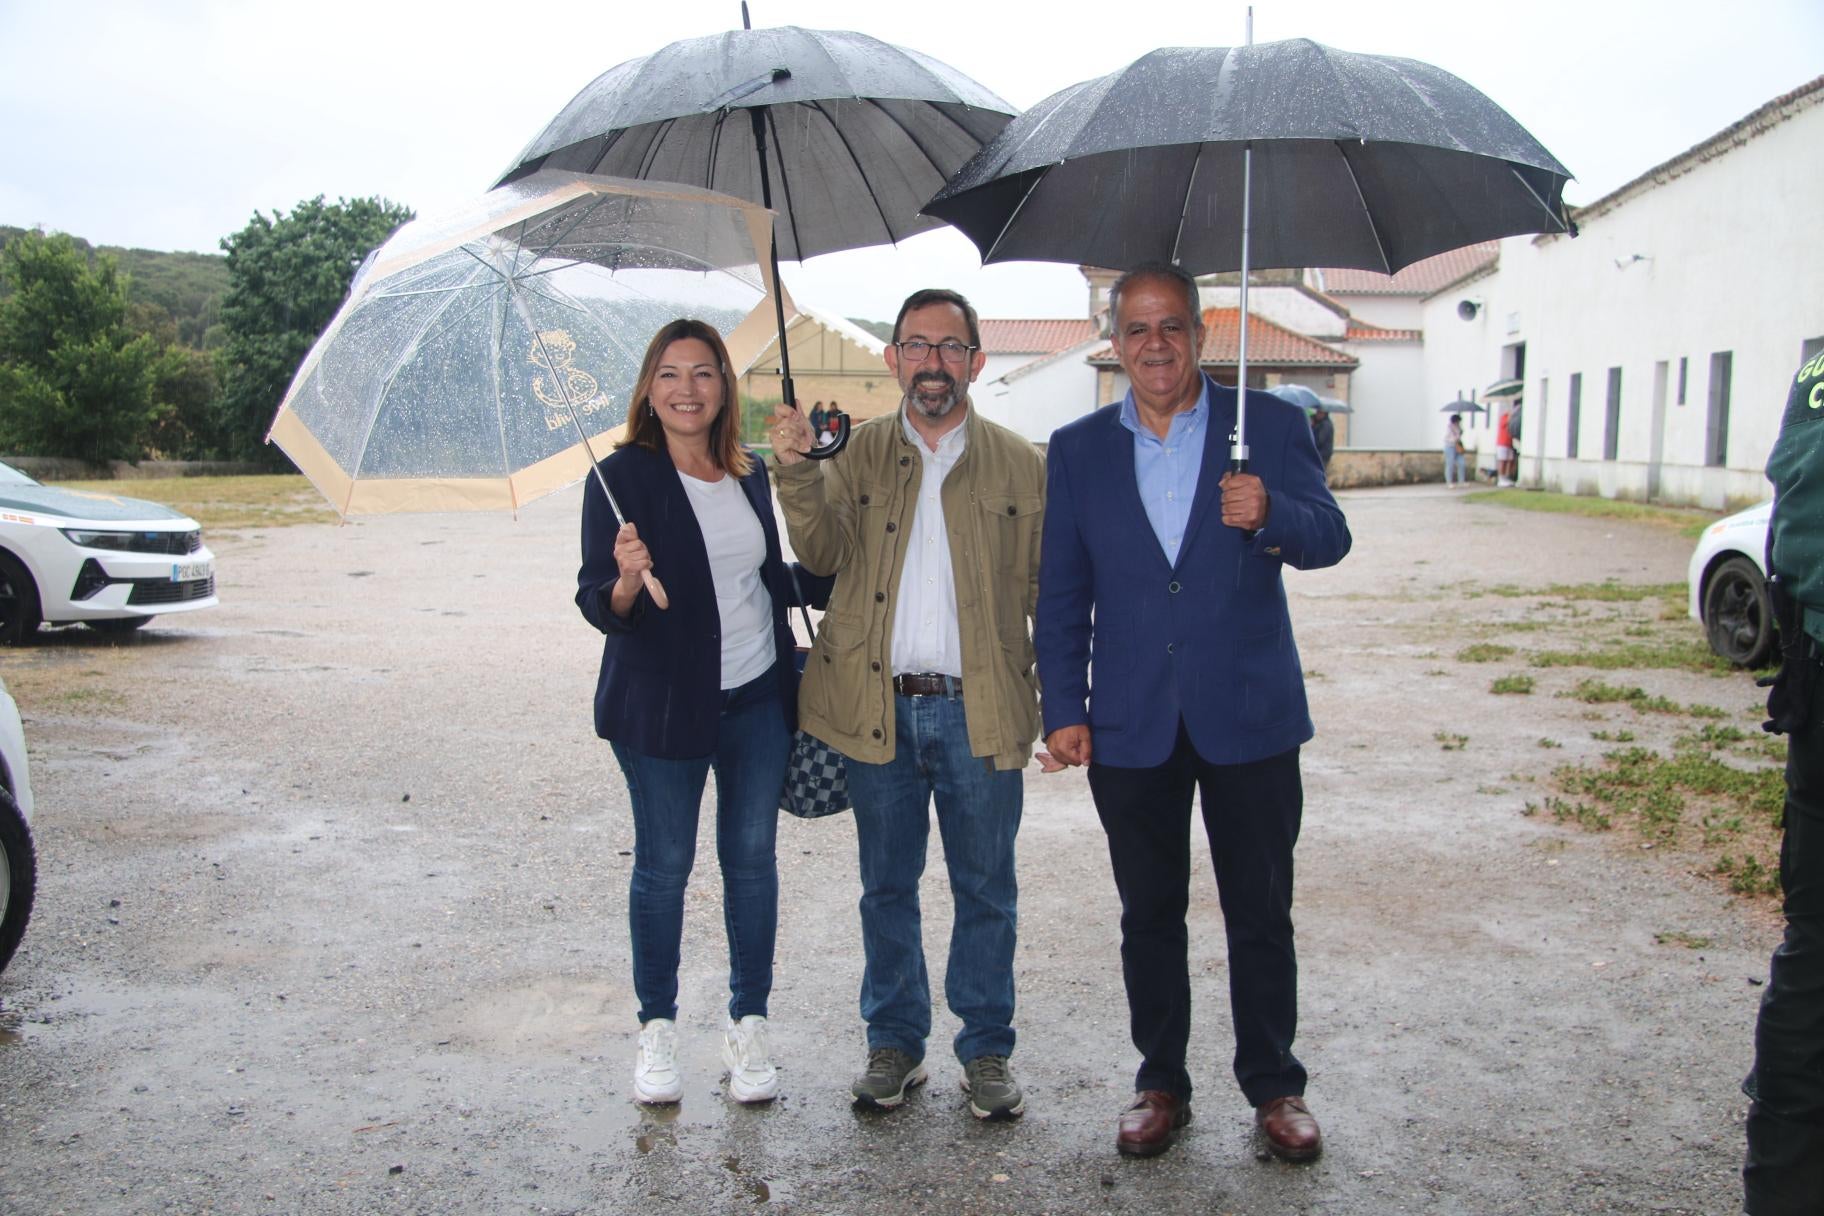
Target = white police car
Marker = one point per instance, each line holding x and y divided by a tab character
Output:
1726	584
109	562
18	864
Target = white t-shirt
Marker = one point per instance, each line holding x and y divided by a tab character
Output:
737	547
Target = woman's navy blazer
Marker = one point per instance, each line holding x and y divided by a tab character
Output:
659	691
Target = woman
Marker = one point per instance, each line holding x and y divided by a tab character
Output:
673	706
1453	451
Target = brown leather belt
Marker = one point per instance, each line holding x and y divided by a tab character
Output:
926	684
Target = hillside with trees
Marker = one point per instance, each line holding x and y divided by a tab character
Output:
127	354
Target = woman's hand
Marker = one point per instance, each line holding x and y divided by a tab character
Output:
636	570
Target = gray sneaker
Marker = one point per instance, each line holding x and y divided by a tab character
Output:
993	1093
891	1072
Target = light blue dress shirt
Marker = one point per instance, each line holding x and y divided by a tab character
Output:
1167	469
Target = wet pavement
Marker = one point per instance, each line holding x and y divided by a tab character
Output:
332	898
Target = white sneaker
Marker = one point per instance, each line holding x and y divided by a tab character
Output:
751	1075
655	1068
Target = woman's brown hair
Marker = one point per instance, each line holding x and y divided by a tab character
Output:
643	427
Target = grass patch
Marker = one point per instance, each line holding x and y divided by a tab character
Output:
1689	941
1484	652
1449	742
1619	736
1550	744
1508	685
274	500
1689	523
1693	798
1670	654
1596	692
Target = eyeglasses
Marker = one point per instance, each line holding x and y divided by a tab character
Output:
949	351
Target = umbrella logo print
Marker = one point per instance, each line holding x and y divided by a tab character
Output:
580	391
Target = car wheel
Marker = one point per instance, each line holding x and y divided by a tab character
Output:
1738	615
18	876
18	602
119	624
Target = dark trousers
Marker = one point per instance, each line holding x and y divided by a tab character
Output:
1784	1174
1251	813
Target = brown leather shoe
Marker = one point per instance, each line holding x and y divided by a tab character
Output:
1150	1125
1291	1129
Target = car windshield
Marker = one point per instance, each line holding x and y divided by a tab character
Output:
9	476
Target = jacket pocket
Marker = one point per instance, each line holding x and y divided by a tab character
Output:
834	686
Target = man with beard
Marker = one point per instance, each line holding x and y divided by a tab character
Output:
922	676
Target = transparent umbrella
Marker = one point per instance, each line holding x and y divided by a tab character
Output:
485	354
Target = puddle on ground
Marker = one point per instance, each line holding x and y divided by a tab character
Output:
756	1189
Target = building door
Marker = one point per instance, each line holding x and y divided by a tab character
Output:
1662	372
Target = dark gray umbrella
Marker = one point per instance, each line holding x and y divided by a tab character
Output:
853	134
1283	154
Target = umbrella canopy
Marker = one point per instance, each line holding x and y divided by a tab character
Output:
1296	394
485	355
1332	406
858	133
1463	407
1363	161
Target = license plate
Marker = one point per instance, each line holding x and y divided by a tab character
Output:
190	572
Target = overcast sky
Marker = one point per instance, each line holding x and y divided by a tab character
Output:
165	124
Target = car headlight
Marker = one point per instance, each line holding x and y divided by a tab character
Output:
87	539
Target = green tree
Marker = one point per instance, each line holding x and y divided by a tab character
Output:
74	379
287	275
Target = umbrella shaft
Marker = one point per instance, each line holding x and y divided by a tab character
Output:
1238	454
757	116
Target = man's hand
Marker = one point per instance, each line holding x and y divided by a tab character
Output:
1068	745
792	436
1244	501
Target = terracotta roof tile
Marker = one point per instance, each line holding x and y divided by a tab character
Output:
1044	337
1358	332
1269	345
1419	279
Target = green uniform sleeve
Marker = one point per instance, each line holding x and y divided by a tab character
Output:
1796	469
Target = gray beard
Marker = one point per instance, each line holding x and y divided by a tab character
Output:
933	409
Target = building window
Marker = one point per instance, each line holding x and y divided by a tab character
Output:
1575	418
1684	368
1716	427
1611	435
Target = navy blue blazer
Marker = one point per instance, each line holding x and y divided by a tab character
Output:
659	691
1131	643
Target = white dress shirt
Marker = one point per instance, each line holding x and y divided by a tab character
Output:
924	620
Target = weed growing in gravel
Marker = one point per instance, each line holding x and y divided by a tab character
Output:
1662	797
1449	742
1512	684
1550	743
1681	654
1484	652
1597	692
1676	937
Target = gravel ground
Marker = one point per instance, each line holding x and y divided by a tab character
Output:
332	920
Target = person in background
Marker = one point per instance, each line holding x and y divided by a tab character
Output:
1454	459
818	419
673	708
1323	433
1165	651
1504	449
922	677
1784	1171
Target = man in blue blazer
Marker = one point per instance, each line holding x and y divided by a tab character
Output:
1166	657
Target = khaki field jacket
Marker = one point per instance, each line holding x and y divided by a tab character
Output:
850	516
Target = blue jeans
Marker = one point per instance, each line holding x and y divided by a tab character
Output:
751	749
1455	463
978	814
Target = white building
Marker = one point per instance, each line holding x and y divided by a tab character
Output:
1654	351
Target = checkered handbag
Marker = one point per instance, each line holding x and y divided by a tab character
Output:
816	782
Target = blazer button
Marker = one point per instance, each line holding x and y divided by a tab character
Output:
1173	587
1170	647
892	527
880	597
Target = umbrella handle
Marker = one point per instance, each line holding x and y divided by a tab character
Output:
655	589
823	451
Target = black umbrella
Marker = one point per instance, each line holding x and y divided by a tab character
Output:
1283	154
856	133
